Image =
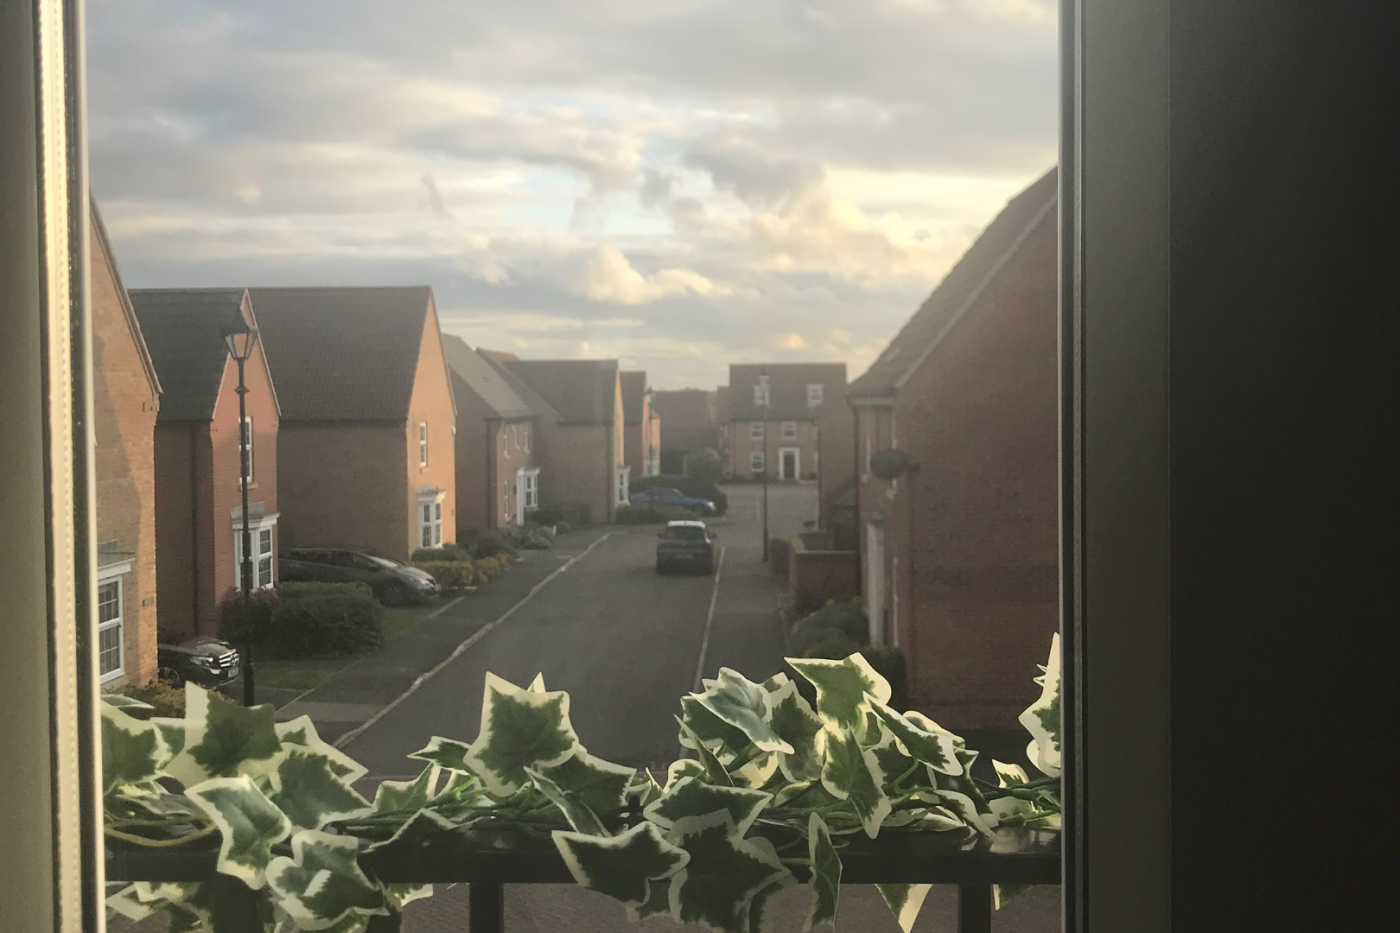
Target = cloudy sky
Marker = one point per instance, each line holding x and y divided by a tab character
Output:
678	184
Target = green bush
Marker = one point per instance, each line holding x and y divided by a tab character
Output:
846	619
778	549
448	552
577	515
482	542
167	700
262	607
832	645
704	466
488	568
652	514
324	620
450	574
529	536
700	488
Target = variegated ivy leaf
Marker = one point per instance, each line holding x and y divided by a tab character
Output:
302	732
964	784
1009	775
1001	893
307	787
756	772
157	805
403	893
799	725
935	749
852	773
600	784
223	739
172	730
119	701
744	705
842	688
1042	718
775	683
680	769
322	884
691	797
644	787
762	918
519	729
133	751
423	825
138	901
906	900
627	867
537	685
579	814
717	886
448	754
826	874
894	763
658	902
714	770
724	739
249	823
394	796
967	811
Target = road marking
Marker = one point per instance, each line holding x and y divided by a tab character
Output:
475	637
709	623
444	607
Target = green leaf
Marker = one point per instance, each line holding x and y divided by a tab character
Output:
889	754
249	823
757	772
425	824
138	901
744	705
519	729
625	867
1001	893
580	816
715	771
826	874
717	886
133	751
394	796
322	885
842	688
935	749
302	732
853	774
600	784
448	754
645	788
658	902
965	785
906	900
683	768
691	797
223	739
966	811
721	737
796	722
308	789
172	730
1042	718
762	918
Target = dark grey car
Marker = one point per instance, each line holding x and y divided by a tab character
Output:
688	545
394	584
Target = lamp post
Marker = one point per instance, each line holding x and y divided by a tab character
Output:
649	468
240	337
763	381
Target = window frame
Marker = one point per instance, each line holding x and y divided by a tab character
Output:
622	485
422	445
815	399
789	430
757	431
245	437
432	523
256	528
112	576
758	462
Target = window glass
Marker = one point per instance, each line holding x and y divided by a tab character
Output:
814	394
684	533
109	628
245	449
423	444
789	430
756	430
756	462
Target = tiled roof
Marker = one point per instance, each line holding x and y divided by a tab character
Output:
634	388
788	384
182	330
958	290
484	379
343	354
581	391
499	360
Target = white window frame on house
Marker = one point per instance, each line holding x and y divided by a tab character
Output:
757	462
756	430
245	438
760	394
789	430
815	394
527	481
422	443
511	514
796	461
430	521
622	485
112	575
256	527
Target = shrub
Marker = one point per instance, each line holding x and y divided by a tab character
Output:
704	466
262	608
576	515
889	663
447	552
450	574
846	619
531	536
483	542
778	549
832	645
167	700
324	620
488	568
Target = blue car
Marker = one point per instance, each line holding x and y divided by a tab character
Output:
661	496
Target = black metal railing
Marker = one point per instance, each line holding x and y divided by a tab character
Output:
1013	856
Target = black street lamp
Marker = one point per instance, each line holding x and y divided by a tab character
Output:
763	381
241	337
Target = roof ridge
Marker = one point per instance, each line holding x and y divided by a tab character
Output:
109	255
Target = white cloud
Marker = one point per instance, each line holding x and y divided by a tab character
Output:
605	275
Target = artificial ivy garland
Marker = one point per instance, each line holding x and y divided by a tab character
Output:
769	766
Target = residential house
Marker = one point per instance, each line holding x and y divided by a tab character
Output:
726	449
580	449
960	549
773	428
368	454
125	402
689	424
836	480
642	436
198	454
498	477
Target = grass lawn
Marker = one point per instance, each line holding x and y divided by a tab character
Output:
398	620
292	678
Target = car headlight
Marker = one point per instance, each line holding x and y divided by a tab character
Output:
201	661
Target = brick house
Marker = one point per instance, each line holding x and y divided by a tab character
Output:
642	435
367	453
689	424
498	478
198	503
125	401
960	551
836	480
780	437
580	448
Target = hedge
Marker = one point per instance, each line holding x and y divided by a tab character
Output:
167	700
696	486
447	552
308	620
450	574
576	515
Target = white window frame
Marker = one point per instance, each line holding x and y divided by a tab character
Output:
796	461
245	436
528	489
789	430
622	484
757	462
256	527
114	574
422	443
433	523
760	394
815	394
756	430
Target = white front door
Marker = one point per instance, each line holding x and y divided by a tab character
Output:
791	460
875	581
520	490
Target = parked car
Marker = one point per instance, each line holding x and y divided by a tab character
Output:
393	583
201	659
663	496
685	544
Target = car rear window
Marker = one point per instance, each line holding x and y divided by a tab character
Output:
685	533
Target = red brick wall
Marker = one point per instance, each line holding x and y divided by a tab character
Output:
431	404
822	574
836	440
180	448
344	484
476	449
742	446
124	416
975	527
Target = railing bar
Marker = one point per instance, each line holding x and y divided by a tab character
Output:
974	908
487	910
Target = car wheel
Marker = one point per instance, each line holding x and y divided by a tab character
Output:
395	594
169	675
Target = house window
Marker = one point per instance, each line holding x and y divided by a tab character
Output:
526	432
264	566
110	660
430	521
245	450
623	482
789	430
756	431
760	394
756	462
505	498
422	443
530	488
814	394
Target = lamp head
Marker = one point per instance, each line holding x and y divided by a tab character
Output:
239	336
